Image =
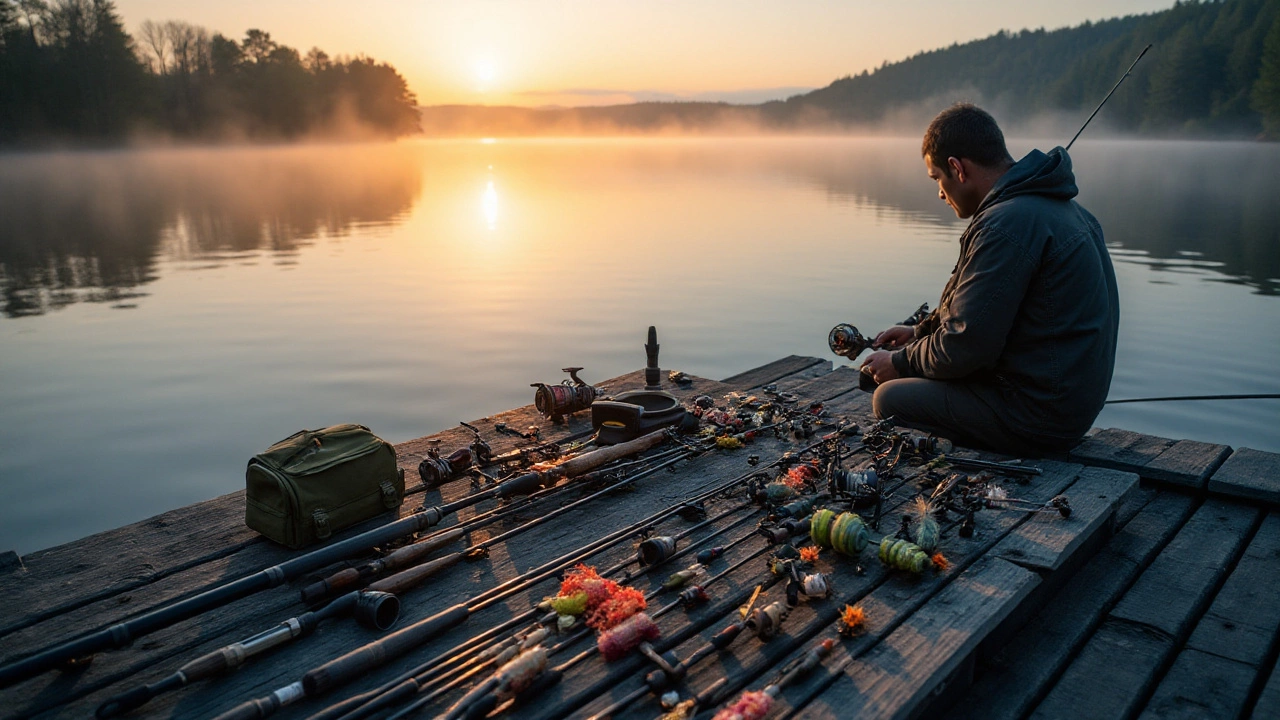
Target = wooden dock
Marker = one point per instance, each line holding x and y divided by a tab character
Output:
1155	598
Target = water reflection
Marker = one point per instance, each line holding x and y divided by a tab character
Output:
1177	207
90	227
489	203
409	286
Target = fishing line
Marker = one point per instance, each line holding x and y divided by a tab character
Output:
1171	398
1108	97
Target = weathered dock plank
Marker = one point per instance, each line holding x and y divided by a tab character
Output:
117	561
1212	675
1268	704
1188	463
1201	685
833	384
1043	543
1243	621
773	372
1117	668
1249	474
1018	675
900	674
791	382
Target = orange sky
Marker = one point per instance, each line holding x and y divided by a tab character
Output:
591	52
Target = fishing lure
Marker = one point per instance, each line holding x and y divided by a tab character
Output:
849	534
622	639
903	555
776	493
853	620
602	603
927	534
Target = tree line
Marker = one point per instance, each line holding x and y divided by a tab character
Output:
70	71
1214	68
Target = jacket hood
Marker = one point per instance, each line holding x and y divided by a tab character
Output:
1048	174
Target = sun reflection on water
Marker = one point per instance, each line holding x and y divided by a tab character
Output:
489	202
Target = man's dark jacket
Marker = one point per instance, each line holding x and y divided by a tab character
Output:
1030	315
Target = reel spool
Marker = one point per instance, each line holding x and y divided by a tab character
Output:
570	396
862	485
845	340
656	550
436	470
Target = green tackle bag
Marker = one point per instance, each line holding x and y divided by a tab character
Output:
317	482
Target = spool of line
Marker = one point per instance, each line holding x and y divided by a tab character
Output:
849	534
820	527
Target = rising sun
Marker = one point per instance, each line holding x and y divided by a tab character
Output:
486	72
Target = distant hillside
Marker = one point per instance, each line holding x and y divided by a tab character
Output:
1215	69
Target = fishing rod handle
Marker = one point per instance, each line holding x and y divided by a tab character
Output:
596	458
210	664
121	634
363	659
265	706
349	578
411	578
128	700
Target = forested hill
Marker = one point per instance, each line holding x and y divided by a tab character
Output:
1201	75
1214	70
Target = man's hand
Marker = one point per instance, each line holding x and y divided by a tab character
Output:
880	366
894	337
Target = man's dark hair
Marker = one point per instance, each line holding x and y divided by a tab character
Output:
965	130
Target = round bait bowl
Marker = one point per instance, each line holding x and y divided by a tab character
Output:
632	414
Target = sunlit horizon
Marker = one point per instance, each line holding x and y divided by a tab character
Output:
544	53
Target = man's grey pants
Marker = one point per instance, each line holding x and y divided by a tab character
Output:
971	414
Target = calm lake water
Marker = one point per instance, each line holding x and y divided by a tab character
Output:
167	314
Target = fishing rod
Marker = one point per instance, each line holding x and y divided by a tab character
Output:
613	643
376	607
765	621
364	705
334	673
373	609
415	680
416	574
471	669
121	634
1108	97
409	681
412	554
844	536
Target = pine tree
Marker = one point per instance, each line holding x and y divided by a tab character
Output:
1266	90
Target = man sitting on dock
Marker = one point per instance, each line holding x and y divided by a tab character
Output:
1018	355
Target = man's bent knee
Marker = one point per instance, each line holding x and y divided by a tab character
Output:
888	398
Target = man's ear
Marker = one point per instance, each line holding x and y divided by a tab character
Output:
957	169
